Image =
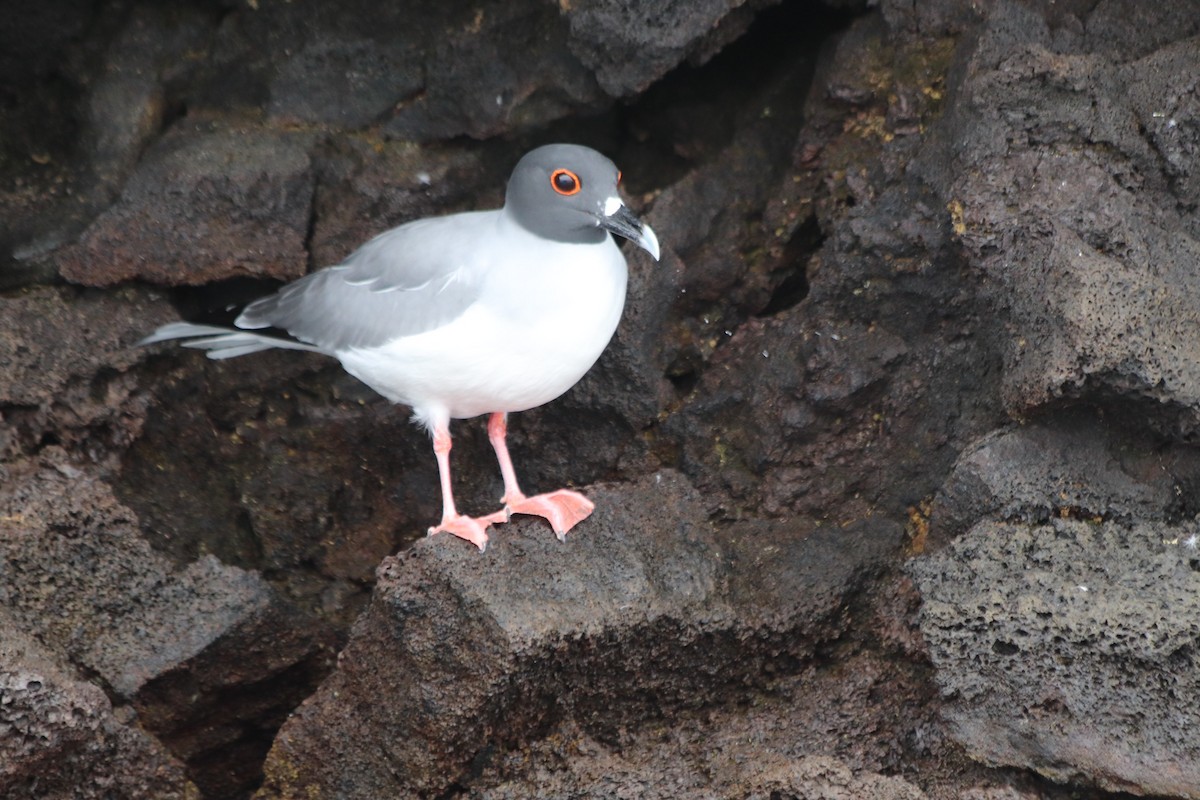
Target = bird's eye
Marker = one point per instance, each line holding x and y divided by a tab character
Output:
565	182
618	176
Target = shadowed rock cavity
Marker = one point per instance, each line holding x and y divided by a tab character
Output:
1086	463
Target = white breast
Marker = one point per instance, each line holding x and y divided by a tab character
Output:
541	322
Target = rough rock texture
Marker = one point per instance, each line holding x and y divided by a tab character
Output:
1070	647
75	569
928	268
65	358
629	45
648	613
1064	170
244	198
1059	623
1070	464
61	738
819	777
587	770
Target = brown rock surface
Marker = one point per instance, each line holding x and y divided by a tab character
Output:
65	360
926	293
204	205
61	738
645	612
75	571
1069	648
1090	205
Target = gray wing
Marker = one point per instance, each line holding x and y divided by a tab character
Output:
405	281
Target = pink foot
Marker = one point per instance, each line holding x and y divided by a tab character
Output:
464	527
563	509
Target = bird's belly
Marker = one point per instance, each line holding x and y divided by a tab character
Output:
486	361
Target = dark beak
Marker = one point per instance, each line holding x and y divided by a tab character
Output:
624	222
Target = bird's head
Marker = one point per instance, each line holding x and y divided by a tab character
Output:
568	193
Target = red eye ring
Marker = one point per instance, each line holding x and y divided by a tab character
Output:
565	182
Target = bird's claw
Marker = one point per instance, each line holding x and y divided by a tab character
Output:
464	527
563	509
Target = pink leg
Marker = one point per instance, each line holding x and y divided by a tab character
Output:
563	509
462	526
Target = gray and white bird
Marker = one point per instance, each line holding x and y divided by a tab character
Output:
484	312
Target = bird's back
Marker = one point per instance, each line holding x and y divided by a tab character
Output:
405	281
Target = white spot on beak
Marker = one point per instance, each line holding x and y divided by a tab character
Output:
612	205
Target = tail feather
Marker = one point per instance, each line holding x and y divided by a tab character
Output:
224	343
181	330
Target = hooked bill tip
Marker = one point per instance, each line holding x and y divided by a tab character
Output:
648	241
624	222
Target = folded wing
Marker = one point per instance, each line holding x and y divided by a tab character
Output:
405	281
